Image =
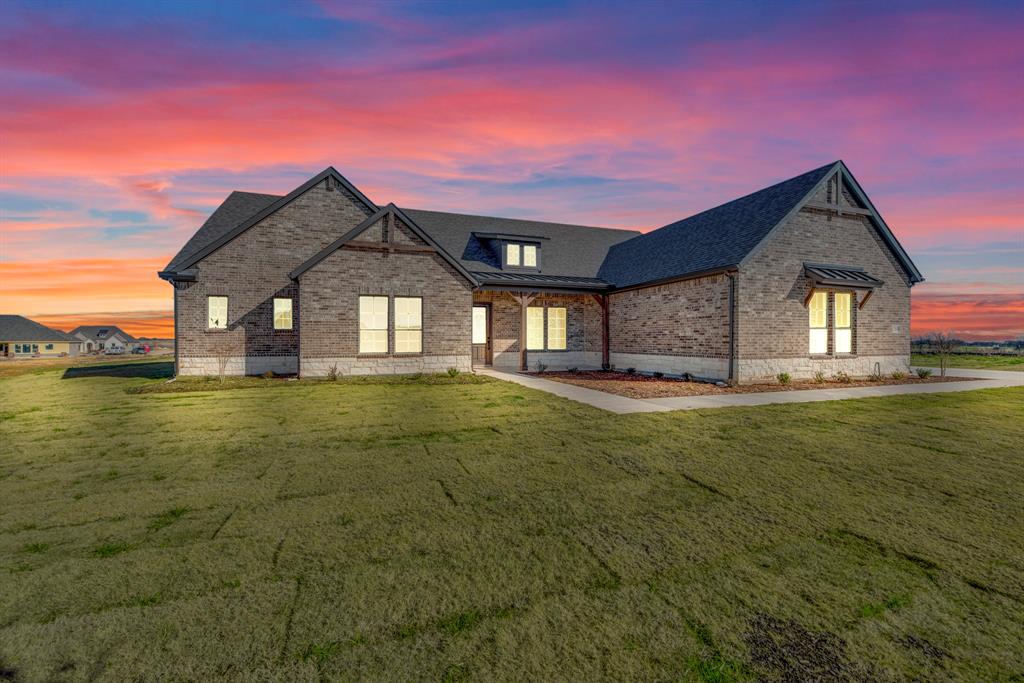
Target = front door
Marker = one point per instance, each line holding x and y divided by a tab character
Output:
482	334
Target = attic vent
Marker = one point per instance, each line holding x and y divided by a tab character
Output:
330	184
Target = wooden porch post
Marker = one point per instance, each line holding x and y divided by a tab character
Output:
602	300
523	299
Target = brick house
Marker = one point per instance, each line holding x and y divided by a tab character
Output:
800	277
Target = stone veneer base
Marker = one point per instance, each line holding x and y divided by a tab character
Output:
238	365
767	369
384	365
711	368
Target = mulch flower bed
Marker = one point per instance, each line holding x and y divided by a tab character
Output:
644	386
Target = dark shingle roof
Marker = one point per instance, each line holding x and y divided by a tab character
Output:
716	238
567	250
101	332
20	328
236	209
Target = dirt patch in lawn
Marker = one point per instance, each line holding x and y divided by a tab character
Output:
645	386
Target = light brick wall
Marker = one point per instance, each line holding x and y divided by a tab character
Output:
329	297
772	321
583	331
251	270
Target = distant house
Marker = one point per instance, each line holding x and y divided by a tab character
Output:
24	338
803	277
96	338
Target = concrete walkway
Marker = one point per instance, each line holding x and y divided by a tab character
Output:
984	379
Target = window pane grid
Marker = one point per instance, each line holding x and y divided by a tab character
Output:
535	328
217	309
556	329
512	254
530	255
408	324
282	314
373	324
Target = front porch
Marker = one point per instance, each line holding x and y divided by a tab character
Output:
518	330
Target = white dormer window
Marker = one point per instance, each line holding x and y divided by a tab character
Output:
519	255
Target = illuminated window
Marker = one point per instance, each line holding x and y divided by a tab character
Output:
373	324
282	314
818	310
529	256
535	328
843	332
556	329
408	324
512	254
217	313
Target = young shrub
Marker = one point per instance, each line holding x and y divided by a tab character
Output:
657	375
573	370
783	377
841	377
875	376
332	374
541	367
630	371
898	375
453	372
819	377
269	374
924	373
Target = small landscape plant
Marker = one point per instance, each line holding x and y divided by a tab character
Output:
783	378
841	377
332	374
875	376
630	371
269	374
819	377
541	367
453	372
574	370
924	373
657	375
899	374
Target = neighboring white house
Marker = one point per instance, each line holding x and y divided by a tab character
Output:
104	338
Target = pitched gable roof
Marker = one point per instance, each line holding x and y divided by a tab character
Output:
20	328
233	212
389	210
219	235
717	238
723	237
101	332
566	250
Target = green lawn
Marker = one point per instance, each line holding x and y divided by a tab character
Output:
299	531
970	361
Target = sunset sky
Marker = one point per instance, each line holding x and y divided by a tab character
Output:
123	125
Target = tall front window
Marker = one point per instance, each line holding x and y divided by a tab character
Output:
530	255
408	324
512	254
217	313
556	329
373	324
843	332
535	328
818	311
282	314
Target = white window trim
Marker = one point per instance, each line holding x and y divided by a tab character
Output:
817	334
565	328
209	313
291	314
844	340
408	328
385	329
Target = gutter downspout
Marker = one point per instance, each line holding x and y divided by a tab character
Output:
732	327
175	286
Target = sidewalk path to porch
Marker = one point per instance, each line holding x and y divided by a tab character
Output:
984	379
